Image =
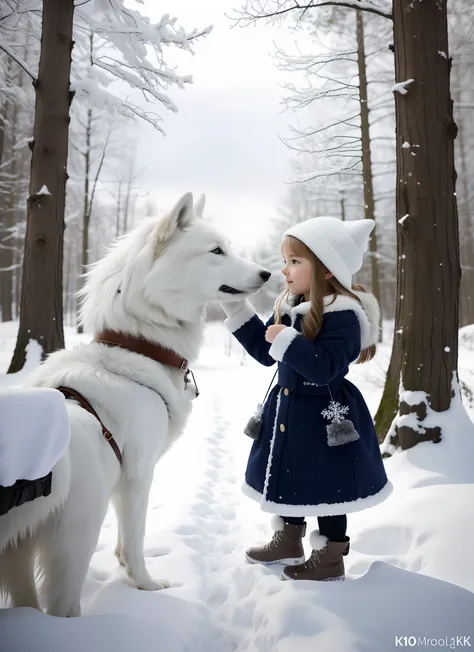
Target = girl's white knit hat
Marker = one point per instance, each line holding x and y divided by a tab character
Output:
339	245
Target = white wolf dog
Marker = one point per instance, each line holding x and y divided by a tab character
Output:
152	286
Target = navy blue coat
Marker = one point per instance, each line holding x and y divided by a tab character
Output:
292	471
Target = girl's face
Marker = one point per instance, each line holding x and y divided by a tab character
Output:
298	272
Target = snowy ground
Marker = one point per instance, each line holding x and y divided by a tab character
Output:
410	573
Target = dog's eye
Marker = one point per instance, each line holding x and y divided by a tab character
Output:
217	250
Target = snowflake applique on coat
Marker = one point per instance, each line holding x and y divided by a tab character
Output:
340	430
335	412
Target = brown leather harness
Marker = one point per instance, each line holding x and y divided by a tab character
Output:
135	344
84	403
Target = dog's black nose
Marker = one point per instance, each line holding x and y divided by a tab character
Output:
265	275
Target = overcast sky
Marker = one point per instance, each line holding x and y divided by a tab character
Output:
224	139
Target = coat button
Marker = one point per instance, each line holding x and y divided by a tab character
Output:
282	427
286	391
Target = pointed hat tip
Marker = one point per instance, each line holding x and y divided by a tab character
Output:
360	230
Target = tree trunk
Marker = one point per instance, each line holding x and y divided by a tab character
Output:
131	176
3	117
17	261
343	205
369	203
5	187
86	210
23	167
119	210
41	311
72	276
429	269
8	244
388	408
127	201
467	240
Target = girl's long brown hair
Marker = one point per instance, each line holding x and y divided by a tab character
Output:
320	287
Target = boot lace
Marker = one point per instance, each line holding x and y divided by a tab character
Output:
276	540
314	559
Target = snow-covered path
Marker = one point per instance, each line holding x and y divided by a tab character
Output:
214	533
410	571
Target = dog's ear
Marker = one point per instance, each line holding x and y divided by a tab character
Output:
199	206
182	214
179	217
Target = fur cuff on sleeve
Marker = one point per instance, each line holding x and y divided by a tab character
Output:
281	342
237	318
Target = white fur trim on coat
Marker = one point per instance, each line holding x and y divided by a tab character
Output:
317	541
268	471
368	313
281	342
326	509
237	319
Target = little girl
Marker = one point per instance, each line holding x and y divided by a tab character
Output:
317	454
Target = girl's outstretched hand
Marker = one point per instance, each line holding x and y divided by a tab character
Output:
272	331
231	308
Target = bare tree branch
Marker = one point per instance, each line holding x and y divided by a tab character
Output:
98	172
255	10
9	52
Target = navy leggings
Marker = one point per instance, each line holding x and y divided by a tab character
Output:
332	527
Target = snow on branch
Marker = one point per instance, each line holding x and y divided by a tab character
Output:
118	69
89	92
9	52
402	87
12	92
11	267
130	48
274	9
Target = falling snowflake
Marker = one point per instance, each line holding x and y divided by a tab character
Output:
335	412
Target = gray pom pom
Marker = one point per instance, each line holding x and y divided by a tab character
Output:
253	428
341	433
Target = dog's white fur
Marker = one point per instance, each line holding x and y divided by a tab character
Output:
155	283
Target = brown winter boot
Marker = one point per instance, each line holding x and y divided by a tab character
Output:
325	563
286	546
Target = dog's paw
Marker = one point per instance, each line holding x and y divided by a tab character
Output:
153	585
